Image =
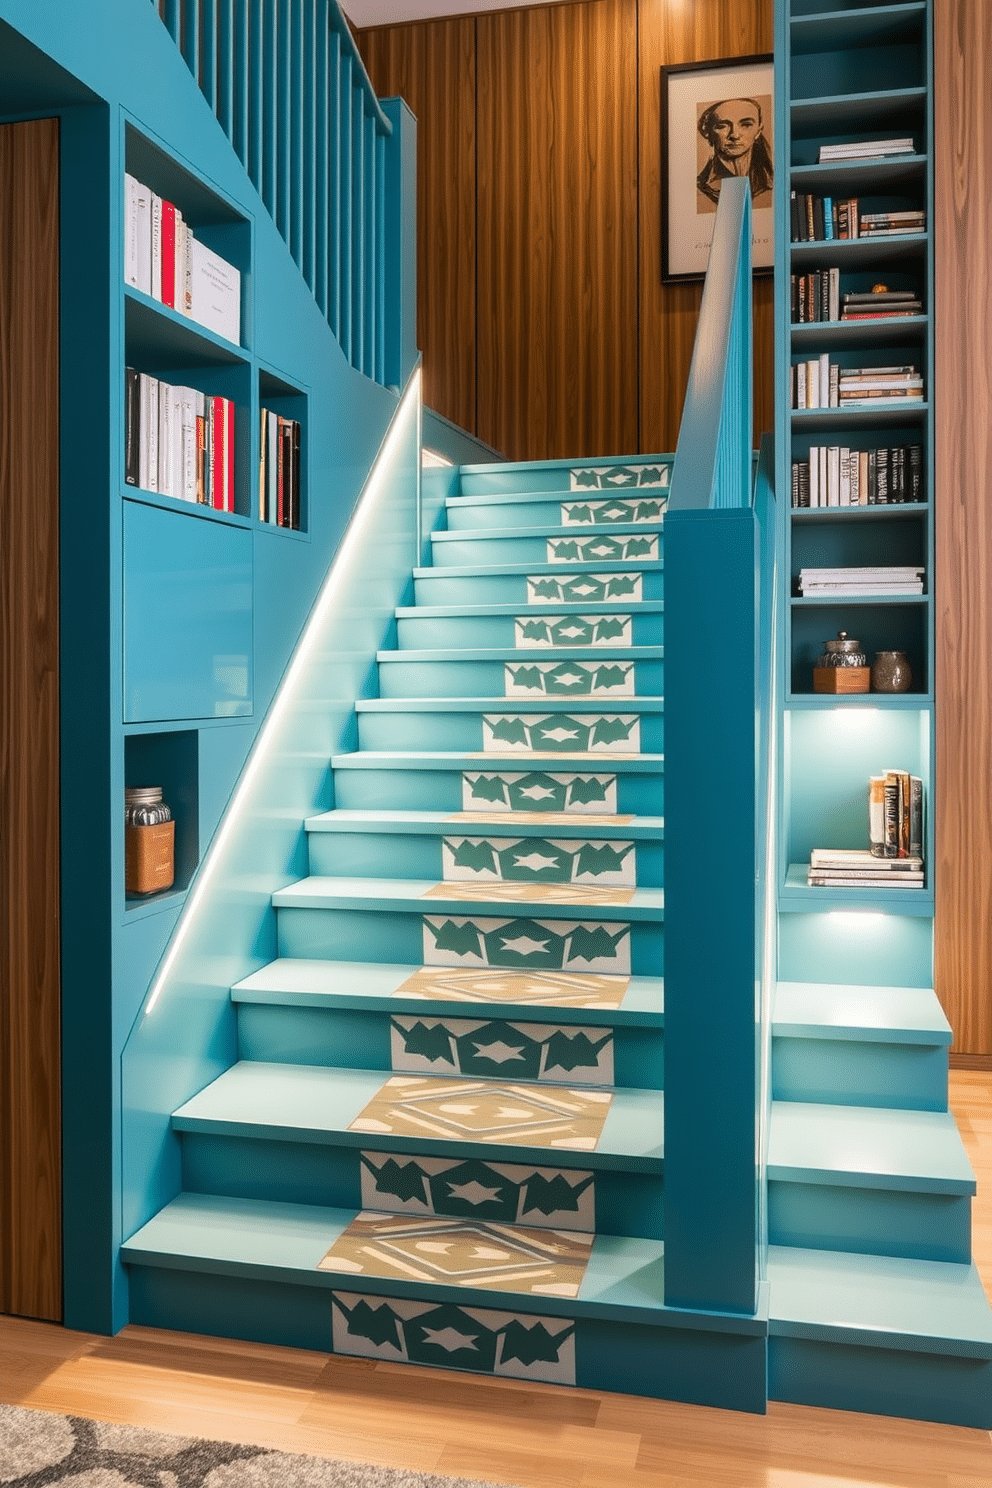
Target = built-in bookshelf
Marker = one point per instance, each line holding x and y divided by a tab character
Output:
854	298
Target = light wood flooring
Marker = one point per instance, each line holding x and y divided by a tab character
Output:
531	1435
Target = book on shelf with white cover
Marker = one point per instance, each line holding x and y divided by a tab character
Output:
215	292
859	859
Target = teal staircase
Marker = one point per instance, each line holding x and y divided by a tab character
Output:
443	1139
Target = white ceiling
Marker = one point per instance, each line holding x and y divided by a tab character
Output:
390	12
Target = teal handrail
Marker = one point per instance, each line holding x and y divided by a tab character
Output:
713	457
287	85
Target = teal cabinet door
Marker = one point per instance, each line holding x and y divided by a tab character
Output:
187	616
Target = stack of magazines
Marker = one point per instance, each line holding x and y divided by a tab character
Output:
865	149
838	582
841	868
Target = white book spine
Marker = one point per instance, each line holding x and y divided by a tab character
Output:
131	190
144	431
165	442
814	476
143	238
156	268
187	443
844	494
833	475
273	468
153	416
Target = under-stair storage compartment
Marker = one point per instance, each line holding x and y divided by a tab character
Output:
170	760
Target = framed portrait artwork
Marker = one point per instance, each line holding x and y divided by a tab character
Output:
716	121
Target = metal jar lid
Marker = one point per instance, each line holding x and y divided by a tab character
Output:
142	795
843	651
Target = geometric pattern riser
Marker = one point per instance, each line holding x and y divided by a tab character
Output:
540	790
505	1344
461	940
526	1051
602	549
569	679
537	860
602	513
618	477
586	588
505	1193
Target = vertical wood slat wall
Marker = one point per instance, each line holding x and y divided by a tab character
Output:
30	1118
963	512
545	327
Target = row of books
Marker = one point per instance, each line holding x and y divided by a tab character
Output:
835	475
883	579
178	441
894	856
821	219
866	149
821	383
278	469
164	259
817	296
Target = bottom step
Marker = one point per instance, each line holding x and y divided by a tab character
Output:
252	1269
881	1335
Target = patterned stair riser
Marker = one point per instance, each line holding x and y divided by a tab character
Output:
455	859
583	585
548	512
603	734
504	1193
448	939
614	476
527	1051
468	551
498	791
469	678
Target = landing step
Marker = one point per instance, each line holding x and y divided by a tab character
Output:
825	1010
547	900
297	982
880	1334
868	1147
446	1116
497	824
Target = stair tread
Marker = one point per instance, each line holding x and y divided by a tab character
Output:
324	892
532	611
498	823
619	566
432	759
880	1300
495	822
515	498
589	703
868	1146
524	655
295	981
548	529
827	1010
315	1103
624	1277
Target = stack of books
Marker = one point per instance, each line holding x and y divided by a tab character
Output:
163	259
864	384
895	816
179	441
877	303
884	224
865	149
839	476
279	441
841	582
839	868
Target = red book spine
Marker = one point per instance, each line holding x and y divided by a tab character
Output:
168	254
218	462
229	450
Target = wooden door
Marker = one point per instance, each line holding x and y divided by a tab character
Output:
30	1115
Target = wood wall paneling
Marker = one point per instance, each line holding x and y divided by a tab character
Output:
963	550
30	1145
557	212
432	66
670	34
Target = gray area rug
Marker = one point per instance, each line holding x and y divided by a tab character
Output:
42	1450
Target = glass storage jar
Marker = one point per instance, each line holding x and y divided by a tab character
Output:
149	841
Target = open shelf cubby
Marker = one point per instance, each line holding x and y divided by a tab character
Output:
170	759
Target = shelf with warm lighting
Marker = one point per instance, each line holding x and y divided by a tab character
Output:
799	897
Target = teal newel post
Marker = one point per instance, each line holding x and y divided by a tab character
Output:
711	1026
400	247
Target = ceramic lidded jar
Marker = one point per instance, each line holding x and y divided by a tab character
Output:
891	672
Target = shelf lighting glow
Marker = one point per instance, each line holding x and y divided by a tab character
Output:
857	918
408	409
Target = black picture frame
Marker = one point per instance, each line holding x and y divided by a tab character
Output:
692	162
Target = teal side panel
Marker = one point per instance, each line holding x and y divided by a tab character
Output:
711	1046
187	617
454	443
